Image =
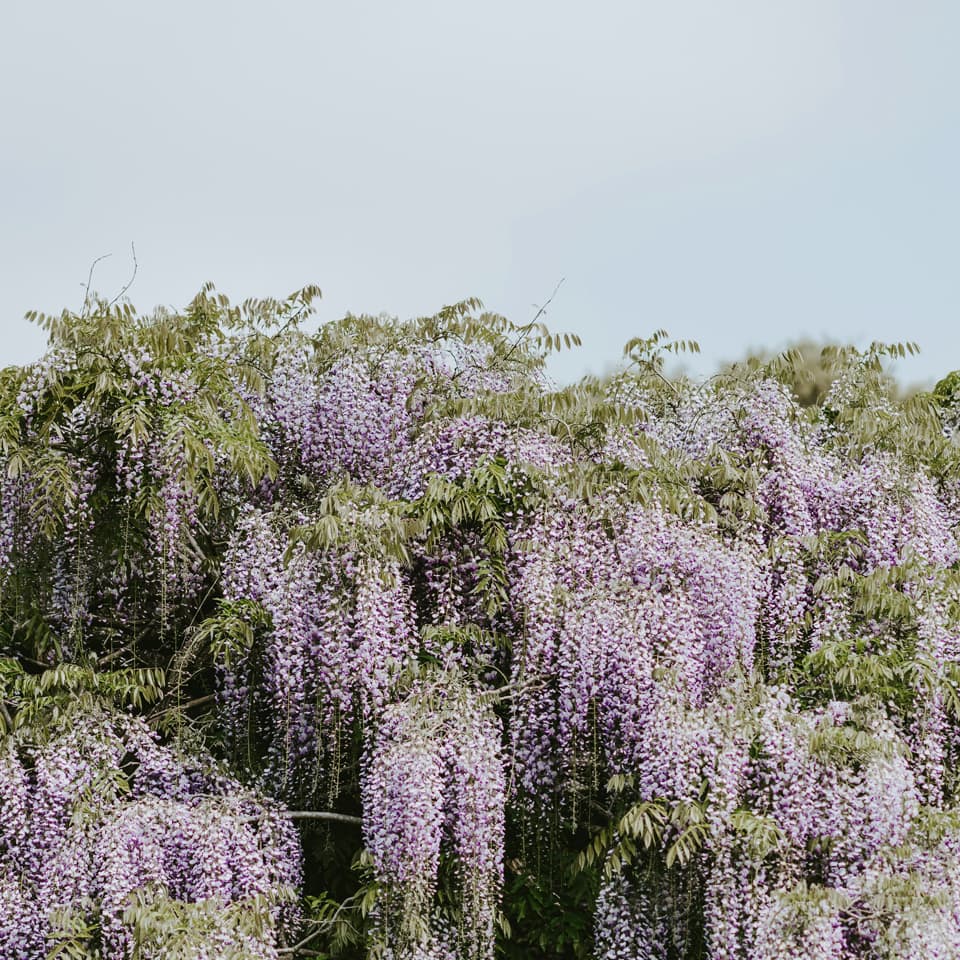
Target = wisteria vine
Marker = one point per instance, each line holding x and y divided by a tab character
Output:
372	642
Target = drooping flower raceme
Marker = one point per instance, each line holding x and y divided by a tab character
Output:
102	817
433	783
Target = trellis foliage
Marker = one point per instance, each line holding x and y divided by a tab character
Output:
373	642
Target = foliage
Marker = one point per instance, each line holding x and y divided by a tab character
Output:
373	642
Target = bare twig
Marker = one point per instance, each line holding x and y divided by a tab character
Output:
526	329
547	303
133	276
86	289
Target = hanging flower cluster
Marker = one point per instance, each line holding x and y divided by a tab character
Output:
357	414
621	626
433	787
814	823
102	817
342	621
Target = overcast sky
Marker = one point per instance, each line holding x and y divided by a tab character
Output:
741	173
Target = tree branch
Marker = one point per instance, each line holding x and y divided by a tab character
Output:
309	815
321	815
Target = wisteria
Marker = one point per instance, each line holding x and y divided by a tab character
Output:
372	642
624	630
433	782
102	813
342	622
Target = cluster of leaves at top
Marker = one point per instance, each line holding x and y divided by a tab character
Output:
371	642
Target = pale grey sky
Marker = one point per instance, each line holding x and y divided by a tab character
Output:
742	172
